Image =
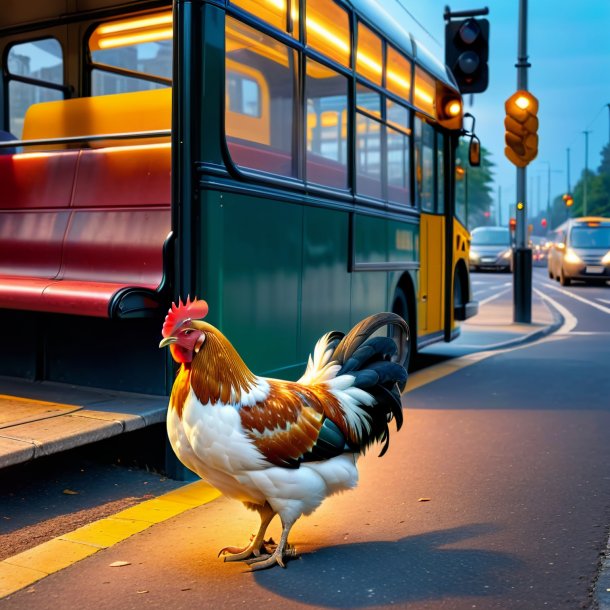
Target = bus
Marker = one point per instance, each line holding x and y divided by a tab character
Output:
292	162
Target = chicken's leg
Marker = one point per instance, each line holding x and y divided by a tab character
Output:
254	548
282	551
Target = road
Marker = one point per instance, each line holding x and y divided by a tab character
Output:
496	494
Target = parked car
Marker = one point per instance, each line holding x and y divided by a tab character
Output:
581	251
490	248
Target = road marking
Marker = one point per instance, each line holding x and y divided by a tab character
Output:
569	320
603	300
493	297
579	298
26	568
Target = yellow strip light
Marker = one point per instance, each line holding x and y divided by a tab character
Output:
128	39
368	61
324	33
399	80
135	24
423	96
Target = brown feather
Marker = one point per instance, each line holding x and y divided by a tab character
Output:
180	391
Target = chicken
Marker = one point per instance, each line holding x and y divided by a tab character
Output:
281	447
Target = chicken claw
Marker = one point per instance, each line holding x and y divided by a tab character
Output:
252	551
277	557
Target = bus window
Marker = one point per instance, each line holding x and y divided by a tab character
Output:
41	63
440	174
274	13
326	92
260	86
244	94
368	57
368	143
424	151
398	153
425	92
398	74
327	27
131	55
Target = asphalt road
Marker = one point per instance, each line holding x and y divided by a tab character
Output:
496	494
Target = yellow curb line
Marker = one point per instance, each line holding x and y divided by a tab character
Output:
442	369
36	563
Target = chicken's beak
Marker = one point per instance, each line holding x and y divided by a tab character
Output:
167	341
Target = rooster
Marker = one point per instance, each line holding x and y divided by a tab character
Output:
281	447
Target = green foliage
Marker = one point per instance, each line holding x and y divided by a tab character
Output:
598	193
474	188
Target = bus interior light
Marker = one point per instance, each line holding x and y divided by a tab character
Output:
129	39
135	24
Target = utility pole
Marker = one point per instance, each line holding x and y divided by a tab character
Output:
568	168
584	194
499	206
522	278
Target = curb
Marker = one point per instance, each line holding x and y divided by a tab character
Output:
32	565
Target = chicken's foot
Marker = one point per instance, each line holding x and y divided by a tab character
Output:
283	551
253	549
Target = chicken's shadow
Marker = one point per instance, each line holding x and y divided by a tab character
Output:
414	568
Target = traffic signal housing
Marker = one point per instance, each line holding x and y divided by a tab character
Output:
521	124
467	53
568	200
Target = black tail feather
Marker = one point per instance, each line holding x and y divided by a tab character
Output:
378	365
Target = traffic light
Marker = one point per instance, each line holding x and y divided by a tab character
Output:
568	200
521	125
543	223
467	52
512	224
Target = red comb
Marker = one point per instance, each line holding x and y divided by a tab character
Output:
191	310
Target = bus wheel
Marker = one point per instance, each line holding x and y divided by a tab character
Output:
400	306
459	292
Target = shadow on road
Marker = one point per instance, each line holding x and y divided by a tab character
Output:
416	568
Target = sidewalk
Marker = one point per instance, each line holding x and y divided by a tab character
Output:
38	419
41	418
493	328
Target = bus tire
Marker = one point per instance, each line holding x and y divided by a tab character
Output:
400	306
460	292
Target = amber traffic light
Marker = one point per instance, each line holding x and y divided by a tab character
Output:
521	125
568	200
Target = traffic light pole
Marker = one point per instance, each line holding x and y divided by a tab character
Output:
522	260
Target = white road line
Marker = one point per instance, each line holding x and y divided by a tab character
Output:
569	320
603	300
491	298
579	298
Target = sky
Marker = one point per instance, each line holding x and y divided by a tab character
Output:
568	44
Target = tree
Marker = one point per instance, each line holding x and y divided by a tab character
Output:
474	187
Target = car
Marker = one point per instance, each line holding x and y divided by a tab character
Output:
581	251
490	248
539	247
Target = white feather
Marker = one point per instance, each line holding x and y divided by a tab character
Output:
210	440
320	368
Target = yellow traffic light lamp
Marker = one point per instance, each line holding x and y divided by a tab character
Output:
568	200
521	124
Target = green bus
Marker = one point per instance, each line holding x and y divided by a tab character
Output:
290	161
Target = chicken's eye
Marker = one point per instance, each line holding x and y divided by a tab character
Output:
187	332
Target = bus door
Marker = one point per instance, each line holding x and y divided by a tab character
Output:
430	192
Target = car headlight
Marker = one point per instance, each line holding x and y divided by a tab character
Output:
508	253
473	256
606	259
571	257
